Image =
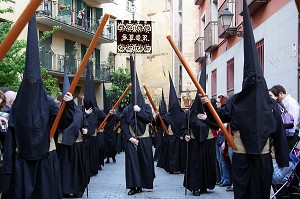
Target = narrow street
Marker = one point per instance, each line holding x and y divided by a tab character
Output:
110	183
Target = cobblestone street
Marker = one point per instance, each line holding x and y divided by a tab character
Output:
110	183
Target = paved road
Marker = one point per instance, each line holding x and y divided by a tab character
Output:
110	183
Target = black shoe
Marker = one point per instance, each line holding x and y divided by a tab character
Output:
131	192
196	193
225	185
107	161
114	160
229	188
139	190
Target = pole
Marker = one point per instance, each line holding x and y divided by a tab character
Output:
298	5
201	91
155	109
187	145
18	26
80	71
103	123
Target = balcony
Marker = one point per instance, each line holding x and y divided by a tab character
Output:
253	5
231	5
67	20
198	2
199	49
55	63
211	39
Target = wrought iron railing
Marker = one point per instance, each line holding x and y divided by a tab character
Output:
57	63
69	17
211	38
199	49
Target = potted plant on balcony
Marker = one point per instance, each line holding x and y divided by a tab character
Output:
61	6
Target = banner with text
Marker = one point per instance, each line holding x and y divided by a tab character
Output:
134	36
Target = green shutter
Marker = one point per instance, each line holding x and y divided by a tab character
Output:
45	51
83	50
97	62
71	52
99	13
80	4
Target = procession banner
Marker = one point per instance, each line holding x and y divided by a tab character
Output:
134	36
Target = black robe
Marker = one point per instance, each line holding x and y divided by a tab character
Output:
201	166
95	153
110	137
252	172
158	139
72	155
139	165
31	177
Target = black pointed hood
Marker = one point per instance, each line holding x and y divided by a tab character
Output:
253	107
139	100
162	106
199	128
89	92
175	114
106	102
70	133
66	85
30	113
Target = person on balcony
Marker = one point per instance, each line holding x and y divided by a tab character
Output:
80	17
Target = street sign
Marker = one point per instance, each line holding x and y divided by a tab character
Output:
134	36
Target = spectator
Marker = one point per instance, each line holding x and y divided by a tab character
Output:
292	107
280	174
80	17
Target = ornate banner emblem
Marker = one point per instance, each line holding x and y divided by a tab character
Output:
134	37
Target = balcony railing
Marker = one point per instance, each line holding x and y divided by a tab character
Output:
55	63
231	5
199	49
253	5
105	1
67	19
211	36
198	2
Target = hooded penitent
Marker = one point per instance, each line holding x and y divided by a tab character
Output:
199	128
30	113
252	114
89	101
70	133
135	99
162	106
175	114
89	92
106	102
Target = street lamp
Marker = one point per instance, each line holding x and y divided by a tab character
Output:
226	20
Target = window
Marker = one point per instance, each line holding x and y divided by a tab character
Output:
214	82
260	50
230	75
